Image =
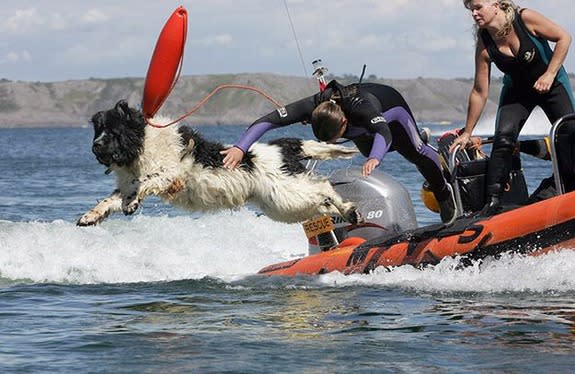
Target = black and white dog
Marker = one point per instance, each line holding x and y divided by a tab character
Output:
184	169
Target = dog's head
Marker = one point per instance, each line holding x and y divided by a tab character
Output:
118	135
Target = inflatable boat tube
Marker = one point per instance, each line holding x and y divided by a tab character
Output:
534	229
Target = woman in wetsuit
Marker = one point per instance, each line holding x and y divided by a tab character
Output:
374	116
516	40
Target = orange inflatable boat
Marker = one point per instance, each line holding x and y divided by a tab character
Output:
533	229
394	240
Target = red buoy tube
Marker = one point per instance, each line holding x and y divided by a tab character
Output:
166	62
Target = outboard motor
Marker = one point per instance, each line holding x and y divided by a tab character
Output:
383	202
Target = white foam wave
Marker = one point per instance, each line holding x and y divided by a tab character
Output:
146	249
511	273
232	246
536	124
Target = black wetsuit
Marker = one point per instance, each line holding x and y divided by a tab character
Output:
519	98
379	120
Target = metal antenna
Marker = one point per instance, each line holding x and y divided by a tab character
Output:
296	38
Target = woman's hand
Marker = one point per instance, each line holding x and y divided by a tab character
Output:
232	157
369	166
460	141
543	84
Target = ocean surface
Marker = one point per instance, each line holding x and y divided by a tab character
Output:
176	292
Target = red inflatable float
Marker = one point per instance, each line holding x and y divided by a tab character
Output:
166	62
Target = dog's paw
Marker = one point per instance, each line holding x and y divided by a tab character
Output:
90	219
131	207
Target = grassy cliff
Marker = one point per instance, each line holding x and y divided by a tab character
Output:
72	103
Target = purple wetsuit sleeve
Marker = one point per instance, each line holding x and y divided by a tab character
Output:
295	112
253	133
379	148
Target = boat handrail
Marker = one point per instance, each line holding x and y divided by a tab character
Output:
559	188
452	164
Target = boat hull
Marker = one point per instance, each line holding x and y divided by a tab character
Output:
534	229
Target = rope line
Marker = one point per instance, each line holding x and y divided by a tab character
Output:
209	96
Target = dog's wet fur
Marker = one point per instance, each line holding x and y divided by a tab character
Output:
186	170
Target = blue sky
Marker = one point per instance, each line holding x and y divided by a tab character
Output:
73	39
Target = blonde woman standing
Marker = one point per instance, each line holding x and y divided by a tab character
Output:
517	41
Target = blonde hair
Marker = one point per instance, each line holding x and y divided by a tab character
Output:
326	120
508	7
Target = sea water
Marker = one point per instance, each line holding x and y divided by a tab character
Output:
172	291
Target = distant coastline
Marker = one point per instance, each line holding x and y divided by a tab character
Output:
72	103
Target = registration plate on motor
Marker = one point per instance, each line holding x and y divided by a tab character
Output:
316	226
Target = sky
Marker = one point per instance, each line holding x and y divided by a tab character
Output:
57	40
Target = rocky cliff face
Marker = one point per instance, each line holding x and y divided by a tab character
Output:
72	103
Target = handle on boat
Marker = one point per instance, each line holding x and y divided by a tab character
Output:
452	166
552	135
